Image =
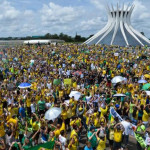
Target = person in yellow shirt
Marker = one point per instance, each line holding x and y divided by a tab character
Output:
28	105
87	116
118	134
75	84
74	141
11	109
59	129
35	126
64	112
103	109
143	99
135	116
111	135
97	121
73	105
101	141
13	122
2	129
61	94
69	111
146	114
75	121
66	116
1	108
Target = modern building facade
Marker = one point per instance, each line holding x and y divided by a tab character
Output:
118	30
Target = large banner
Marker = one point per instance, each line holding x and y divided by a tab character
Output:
67	81
115	114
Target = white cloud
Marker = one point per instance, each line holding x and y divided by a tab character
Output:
99	4
95	23
141	16
15	22
53	14
7	11
141	11
55	18
28	13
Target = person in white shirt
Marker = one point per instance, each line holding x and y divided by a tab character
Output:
48	104
63	140
49	85
33	106
73	66
68	73
147	140
127	126
88	98
63	65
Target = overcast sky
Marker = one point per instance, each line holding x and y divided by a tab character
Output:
86	17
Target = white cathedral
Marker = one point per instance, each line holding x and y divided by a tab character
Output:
118	30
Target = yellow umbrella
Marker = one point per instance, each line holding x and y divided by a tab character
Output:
147	76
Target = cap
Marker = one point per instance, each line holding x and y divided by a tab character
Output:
117	105
92	128
112	101
80	109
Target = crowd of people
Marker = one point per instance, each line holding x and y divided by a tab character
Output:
86	123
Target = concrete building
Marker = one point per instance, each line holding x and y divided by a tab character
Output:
118	30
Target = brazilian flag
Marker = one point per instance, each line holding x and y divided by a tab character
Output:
46	146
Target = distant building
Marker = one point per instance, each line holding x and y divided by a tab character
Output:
9	43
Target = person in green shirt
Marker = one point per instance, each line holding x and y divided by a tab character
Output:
28	142
16	146
41	107
92	137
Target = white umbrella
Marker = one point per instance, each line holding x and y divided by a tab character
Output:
117	79
66	102
52	113
142	81
119	95
148	93
124	81
76	95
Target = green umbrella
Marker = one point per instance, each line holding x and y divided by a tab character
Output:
146	86
57	81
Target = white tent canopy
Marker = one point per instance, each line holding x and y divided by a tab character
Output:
42	41
37	41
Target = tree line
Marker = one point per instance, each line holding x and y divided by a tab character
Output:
61	36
